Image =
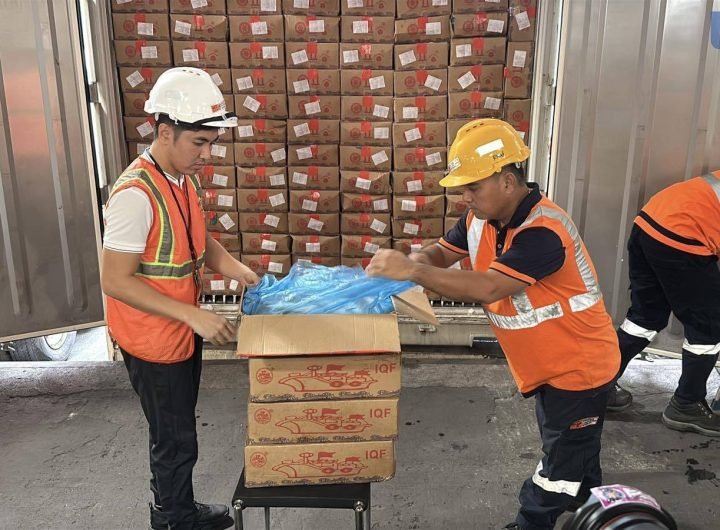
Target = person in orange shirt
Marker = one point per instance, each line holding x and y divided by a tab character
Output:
673	263
534	277
155	247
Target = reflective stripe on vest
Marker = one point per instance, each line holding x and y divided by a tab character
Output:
474	233
714	183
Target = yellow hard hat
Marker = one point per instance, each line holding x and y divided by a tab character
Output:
482	148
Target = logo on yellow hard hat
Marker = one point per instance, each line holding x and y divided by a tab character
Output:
482	148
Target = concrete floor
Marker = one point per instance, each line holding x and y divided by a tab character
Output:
74	448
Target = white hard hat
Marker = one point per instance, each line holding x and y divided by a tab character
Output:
189	95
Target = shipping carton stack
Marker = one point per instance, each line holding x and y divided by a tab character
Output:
313	80
320	412
519	64
366	61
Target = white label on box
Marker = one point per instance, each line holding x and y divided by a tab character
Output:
270	52
433	82
268	245
360	27
315	224
225	200
379	158
299	57
135	79
519	58
312	247
216	79
141	148
371	248
437	3
412	135
351	56
244	83
245	131
378	226
354	4
300	178
410	113
363	184
275	267
489	147
198	3
190	56
149	52
220	180
381	204
302	130
218	150
316	26
407	57
310	206
414	186
227	221
433	28
234	285
463	50
259	28
251	103
411	228
495	26
276	200
268	6
272	220
466	79
523	21
377	82
144	129
312	108
433	159
492	103
381	111
415	247
301	86
277	180
217	285
145	28
304	153
409	205
301	4
183	28
381	133
278	154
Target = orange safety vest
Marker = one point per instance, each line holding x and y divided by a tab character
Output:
165	265
555	331
686	216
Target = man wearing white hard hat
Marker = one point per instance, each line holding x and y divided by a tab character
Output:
155	249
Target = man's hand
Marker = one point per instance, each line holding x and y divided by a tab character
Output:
247	276
391	264
210	326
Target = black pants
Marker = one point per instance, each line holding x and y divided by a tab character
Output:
168	394
570	425
664	280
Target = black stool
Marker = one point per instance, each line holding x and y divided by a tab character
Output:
354	497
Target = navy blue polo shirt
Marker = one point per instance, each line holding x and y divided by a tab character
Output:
535	252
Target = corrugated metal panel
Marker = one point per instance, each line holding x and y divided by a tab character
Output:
48	212
637	111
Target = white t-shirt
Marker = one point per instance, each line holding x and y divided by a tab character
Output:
128	217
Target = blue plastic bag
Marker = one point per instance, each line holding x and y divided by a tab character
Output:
315	289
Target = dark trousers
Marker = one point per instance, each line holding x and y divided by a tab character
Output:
570	425
168	395
664	280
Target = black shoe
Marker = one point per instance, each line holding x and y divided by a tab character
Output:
695	417
619	399
209	517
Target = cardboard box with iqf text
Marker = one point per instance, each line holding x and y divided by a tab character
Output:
313	177
365	224
273	223
365	157
260	154
419	227
422	29
420	158
315	245
418	206
149	26
313	155
518	72
212	176
419	133
477	50
408	246
423	108
256	28
312	28
313	106
522	23
139	128
367	108
363	246
313	81
257	243
206	7
368	7
230	242
517	113
312	55
372	55
139	6
367	29
278	264
331	463
373	182
485	77
349	420
261	177
221	222
417	182
254	7
326	8
143	53
258	80
419	8
482	24
366	82
260	130
312	201
217	284
366	133
193	27
365	203
327	224
313	131
139	79
421	82
201	54
255	106
456	206
475	104
475	6
421	56
262	200
220	200
257	54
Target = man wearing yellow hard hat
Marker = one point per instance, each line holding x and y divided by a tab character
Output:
534	277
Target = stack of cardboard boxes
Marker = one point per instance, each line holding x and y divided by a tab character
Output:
519	64
323	402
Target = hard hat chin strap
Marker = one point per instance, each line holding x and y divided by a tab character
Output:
222	117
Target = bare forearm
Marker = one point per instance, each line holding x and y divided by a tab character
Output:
137	294
220	260
456	284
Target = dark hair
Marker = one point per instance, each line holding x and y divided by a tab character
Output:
517	171
180	126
